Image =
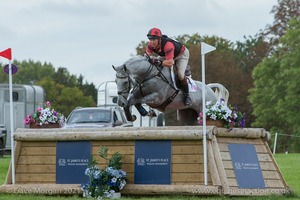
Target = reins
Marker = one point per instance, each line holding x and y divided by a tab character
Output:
160	74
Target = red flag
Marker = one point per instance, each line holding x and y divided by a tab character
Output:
6	53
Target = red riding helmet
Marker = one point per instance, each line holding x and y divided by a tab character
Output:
154	33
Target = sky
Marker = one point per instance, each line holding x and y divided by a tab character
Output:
89	36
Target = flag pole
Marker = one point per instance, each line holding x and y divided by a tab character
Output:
11	125
205	48
8	55
204	117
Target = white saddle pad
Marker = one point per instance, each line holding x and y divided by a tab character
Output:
192	84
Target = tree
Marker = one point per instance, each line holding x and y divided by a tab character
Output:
52	89
263	96
29	72
276	94
87	89
283	13
250	52
71	98
56	84
63	77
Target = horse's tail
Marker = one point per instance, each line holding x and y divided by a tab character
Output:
220	91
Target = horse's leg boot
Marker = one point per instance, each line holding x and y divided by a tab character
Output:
141	109
185	89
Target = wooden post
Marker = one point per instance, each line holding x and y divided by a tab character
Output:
220	166
17	149
212	166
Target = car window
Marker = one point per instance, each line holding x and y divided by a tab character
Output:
89	116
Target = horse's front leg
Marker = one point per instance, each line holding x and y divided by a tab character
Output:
137	101
128	114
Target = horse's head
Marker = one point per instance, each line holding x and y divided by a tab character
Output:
131	74
123	85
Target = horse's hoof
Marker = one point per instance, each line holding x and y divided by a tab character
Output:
133	118
151	113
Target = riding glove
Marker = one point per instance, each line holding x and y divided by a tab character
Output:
155	61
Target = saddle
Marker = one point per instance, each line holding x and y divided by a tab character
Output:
176	82
188	72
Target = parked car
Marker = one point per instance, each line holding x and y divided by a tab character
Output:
3	133
97	117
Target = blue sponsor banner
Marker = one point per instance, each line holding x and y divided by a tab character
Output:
246	166
71	161
152	162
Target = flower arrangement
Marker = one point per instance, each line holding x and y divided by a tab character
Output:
104	183
45	115
231	116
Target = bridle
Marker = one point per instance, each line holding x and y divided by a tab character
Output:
135	83
126	90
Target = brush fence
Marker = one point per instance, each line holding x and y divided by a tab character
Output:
35	160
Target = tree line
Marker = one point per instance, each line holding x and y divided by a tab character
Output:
65	91
261	74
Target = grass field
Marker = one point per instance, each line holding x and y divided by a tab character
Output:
288	164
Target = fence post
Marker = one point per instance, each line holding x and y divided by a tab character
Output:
275	142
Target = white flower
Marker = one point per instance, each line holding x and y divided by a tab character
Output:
218	111
122	184
104	182
45	116
87	171
97	174
213	116
114	180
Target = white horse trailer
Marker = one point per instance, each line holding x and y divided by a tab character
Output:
108	96
26	98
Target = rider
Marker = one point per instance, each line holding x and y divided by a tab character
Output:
174	53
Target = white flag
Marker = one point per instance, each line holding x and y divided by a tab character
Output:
206	48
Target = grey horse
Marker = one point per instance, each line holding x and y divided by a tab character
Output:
140	82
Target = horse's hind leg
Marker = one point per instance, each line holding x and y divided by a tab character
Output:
188	116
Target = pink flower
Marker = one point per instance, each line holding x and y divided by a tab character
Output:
27	120
200	118
44	116
48	103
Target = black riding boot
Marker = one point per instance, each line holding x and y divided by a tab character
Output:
185	89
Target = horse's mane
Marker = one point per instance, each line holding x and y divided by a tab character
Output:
137	58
